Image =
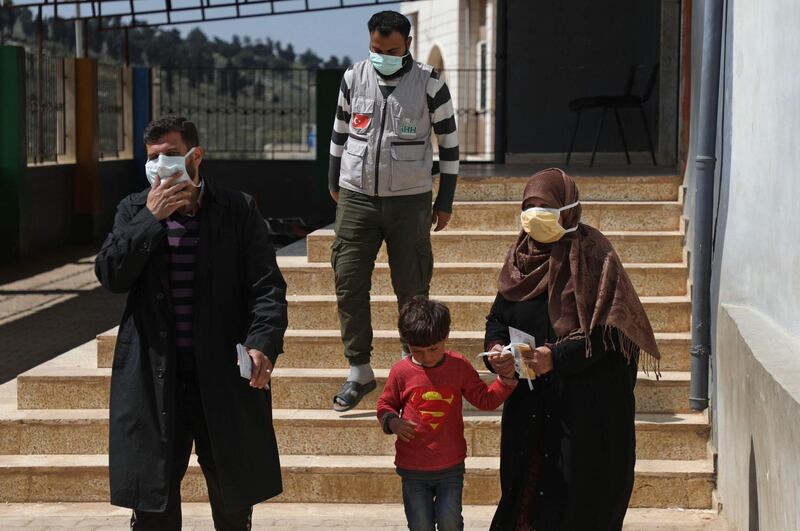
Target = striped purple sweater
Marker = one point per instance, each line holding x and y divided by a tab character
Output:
183	235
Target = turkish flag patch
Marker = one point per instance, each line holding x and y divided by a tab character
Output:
360	121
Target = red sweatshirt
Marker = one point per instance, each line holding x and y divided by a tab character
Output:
431	397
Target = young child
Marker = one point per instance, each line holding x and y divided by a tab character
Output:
421	404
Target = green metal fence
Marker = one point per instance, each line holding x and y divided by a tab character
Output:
250	113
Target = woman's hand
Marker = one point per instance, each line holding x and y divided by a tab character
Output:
541	360
502	364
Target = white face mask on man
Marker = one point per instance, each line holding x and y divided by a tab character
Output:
164	167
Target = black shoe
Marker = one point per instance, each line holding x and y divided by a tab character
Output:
351	394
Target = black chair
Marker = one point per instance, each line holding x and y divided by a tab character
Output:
625	101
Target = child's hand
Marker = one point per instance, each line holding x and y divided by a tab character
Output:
404	429
502	364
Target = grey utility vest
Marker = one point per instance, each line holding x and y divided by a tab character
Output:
388	151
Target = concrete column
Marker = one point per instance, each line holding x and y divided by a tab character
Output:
86	191
328	82
13	150
142	114
668	81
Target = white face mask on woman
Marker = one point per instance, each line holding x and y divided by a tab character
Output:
543	224
164	167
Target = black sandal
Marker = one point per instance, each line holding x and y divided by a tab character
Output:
351	394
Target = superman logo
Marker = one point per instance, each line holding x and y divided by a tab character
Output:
360	121
432	406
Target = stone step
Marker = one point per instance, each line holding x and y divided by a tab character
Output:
316	278
491	246
667	314
592	188
325	432
318	479
314	389
327	516
88	388
323	349
604	216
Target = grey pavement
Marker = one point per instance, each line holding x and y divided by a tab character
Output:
49	306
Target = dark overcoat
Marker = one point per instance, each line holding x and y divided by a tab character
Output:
240	297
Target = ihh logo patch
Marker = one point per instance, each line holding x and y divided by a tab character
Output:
408	128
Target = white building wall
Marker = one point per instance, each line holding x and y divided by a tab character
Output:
437	24
761	261
758	333
454	28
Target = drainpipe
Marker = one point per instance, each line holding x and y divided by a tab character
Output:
702	220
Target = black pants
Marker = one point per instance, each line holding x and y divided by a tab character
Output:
190	426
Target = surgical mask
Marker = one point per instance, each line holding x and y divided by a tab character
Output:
386	64
164	167
543	225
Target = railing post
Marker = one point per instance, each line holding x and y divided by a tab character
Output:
70	90
13	149
86	191
126	93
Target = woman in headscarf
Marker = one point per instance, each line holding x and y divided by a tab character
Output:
568	446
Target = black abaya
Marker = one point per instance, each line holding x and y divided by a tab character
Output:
568	447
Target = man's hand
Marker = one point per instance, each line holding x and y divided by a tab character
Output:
262	369
542	360
440	219
502	364
335	196
164	198
404	429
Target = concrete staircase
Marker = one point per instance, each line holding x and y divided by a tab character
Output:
54	425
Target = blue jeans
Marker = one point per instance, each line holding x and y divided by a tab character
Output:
434	502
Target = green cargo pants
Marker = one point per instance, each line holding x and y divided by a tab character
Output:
363	223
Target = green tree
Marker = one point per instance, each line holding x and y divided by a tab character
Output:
310	60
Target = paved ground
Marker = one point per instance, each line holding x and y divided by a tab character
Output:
295	517
49	306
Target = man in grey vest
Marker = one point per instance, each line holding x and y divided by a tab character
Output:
381	176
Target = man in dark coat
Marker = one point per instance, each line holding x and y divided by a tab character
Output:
201	277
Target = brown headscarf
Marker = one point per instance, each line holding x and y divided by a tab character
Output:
586	284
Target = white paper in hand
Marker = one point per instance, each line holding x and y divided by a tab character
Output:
518	338
245	362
